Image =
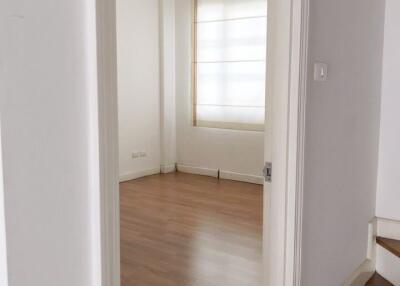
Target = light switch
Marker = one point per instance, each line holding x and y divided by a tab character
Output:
320	72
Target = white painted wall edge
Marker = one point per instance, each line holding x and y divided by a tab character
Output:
3	245
197	170
388	228
108	142
388	265
168	168
362	274
135	175
241	177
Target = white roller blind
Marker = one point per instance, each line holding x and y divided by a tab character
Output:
229	63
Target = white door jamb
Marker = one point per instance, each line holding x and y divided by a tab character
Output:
3	238
286	101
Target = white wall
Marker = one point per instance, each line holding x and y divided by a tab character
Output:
154	113
138	84
342	131
388	192
45	131
228	150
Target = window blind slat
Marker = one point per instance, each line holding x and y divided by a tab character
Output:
232	19
232	41
240	83
209	10
230	115
245	106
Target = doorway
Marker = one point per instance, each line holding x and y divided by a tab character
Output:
200	123
282	226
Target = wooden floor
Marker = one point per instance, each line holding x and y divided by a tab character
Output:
187	230
378	280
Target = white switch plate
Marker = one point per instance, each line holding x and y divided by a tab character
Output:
320	72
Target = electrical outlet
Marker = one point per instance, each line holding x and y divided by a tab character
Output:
139	154
135	155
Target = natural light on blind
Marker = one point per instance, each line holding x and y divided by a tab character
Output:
230	63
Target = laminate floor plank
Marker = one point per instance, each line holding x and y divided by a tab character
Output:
187	230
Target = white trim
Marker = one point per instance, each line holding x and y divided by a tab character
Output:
296	138
197	170
227	175
108	142
302	97
93	142
288	33
389	228
372	233
139	174
365	271
361	276
3	244
168	168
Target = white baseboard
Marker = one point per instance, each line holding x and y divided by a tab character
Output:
135	175
193	170
363	273
389	228
222	174
388	265
165	169
372	234
241	177
197	170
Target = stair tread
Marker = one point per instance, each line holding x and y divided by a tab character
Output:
391	245
378	280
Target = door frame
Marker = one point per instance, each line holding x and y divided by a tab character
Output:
283	197
286	110
107	265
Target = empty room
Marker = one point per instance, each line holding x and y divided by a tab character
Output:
191	100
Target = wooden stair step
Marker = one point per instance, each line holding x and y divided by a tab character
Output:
378	280
391	245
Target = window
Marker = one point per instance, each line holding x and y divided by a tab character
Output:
229	63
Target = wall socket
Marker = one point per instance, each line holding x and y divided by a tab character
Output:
139	154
